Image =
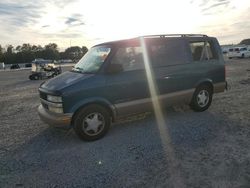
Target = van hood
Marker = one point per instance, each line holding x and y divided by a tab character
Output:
64	80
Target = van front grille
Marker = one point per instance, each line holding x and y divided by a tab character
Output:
43	95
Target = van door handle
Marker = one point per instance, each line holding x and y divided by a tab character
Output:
167	77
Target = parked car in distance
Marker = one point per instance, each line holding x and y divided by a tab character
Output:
239	52
111	81
2	65
28	65
15	66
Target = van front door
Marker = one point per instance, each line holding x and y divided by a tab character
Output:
128	89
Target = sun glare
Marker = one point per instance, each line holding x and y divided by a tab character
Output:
134	18
113	20
172	163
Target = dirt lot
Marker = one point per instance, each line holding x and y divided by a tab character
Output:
208	149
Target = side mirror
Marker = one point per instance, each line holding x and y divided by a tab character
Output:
114	68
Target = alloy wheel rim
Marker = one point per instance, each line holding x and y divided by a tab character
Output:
93	124
203	98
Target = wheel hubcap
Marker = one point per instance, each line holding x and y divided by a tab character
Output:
203	98
93	124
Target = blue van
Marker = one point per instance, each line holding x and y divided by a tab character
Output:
113	79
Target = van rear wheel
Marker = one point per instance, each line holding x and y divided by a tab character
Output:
202	98
92	122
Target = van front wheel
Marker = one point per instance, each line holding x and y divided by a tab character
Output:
202	98
92	122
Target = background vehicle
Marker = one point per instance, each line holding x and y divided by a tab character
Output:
115	80
42	69
239	52
28	65
2	65
15	66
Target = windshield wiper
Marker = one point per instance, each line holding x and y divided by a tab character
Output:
77	69
81	70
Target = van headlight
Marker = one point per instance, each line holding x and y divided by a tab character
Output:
53	98
55	109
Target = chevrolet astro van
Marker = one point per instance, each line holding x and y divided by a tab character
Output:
111	81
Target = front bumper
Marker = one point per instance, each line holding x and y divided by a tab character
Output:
53	119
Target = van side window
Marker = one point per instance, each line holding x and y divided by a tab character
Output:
130	58
169	52
202	51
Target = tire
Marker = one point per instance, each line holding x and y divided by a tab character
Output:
31	77
243	56
85	122
202	98
35	77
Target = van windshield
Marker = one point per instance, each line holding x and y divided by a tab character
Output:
92	60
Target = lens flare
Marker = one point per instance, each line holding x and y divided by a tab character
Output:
162	126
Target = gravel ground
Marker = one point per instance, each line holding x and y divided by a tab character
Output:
208	149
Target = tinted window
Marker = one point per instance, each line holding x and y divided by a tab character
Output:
202	51
243	49
231	50
168	52
130	58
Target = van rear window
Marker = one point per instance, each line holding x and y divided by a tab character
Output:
202	51
168	52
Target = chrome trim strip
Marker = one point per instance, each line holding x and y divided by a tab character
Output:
57	105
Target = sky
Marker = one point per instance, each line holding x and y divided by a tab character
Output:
89	22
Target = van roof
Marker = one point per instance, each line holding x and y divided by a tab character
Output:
132	40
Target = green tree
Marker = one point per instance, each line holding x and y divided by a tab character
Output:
245	41
1	54
75	52
26	47
84	50
10	49
25	54
18	48
9	56
51	51
51	46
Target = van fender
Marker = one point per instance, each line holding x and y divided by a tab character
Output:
205	81
95	100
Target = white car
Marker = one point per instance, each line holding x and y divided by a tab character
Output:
240	52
